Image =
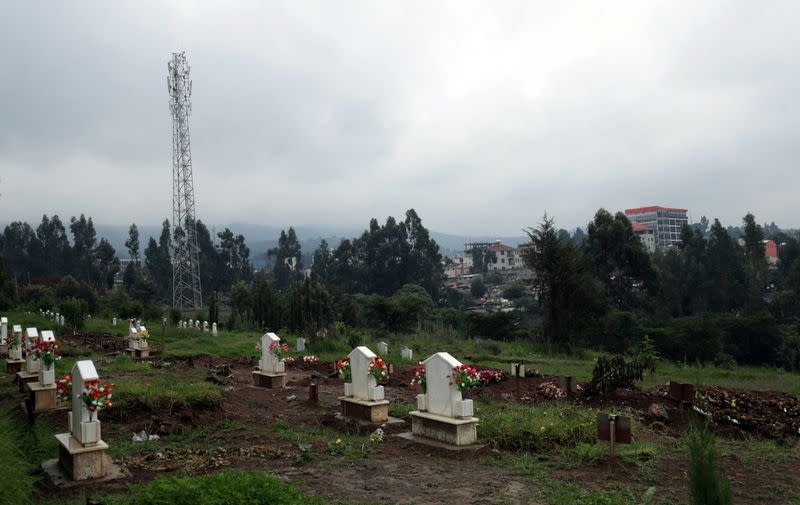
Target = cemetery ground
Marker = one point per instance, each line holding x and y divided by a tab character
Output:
223	439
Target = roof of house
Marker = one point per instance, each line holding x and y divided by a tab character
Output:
640	210
770	249
500	247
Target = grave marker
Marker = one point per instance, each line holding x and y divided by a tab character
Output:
301	345
443	415
15	361
3	329
81	452
31	341
214	329
43	390
383	348
272	370
615	429
366	399
406	353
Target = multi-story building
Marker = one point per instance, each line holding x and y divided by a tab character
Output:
646	234
666	223
505	257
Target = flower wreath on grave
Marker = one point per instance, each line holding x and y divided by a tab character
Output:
64	388
14	341
143	334
97	397
310	359
419	377
48	352
464	376
378	368
279	350
288	360
343	365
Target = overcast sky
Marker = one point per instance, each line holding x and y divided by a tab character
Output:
480	115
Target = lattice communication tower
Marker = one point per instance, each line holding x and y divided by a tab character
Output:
186	290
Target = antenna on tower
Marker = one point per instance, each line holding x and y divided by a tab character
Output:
186	292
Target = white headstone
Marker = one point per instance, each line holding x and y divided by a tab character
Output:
17	330
269	362
406	353
61	320
443	396
214	329
3	329
114	321
31	340
383	348
48	336
365	387
205	326
301	345
197	324
82	372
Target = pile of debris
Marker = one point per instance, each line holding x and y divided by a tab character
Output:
220	374
197	461
768	413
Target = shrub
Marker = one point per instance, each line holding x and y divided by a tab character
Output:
610	374
790	353
707	485
725	361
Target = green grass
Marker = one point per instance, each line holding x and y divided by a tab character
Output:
536	428
16	482
401	410
228	487
317	441
164	394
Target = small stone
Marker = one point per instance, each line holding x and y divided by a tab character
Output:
658	412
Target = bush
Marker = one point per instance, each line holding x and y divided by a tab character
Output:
610	374
175	316
725	361
790	353
164	395
707	484
74	312
753	340
228	487
690	339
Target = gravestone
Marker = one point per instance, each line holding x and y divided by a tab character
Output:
138	336
61	320
43	390
443	415
301	345
15	361
197	324
406	353
205	326
364	398
271	371
81	452
383	348
113	321
214	329
3	329
517	370
31	341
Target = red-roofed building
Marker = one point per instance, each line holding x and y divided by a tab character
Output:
665	223
646	234
771	252
505	257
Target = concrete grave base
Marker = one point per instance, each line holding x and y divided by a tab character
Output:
139	353
42	397
3	349
392	425
269	380
81	462
449	430
13	366
24	378
372	412
439	445
59	478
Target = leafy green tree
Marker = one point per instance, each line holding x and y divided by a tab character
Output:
56	251
158	262
240	301
726	270
755	260
287	260
106	263
133	243
6	289
514	291
321	262
129	277
482	257
84	239
477	288
74	311
620	259
563	284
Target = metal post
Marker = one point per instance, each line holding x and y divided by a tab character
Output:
613	428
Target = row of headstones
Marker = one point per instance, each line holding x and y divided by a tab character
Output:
197	325
53	316
441	402
406	353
